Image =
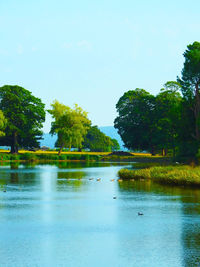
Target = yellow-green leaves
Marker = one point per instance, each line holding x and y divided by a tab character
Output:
3	122
70	124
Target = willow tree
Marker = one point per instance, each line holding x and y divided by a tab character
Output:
70	125
3	123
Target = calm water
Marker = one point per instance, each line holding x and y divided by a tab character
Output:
54	215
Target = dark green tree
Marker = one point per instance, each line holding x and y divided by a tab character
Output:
168	117
190	82
135	120
25	114
97	141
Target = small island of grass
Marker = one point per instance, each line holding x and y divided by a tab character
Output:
169	175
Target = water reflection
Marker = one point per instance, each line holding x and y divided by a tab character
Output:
55	212
188	214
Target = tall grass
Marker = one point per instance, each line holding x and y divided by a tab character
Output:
174	175
48	157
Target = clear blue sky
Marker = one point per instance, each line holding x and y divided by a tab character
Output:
90	52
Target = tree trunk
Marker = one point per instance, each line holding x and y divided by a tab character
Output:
70	146
165	152
60	150
174	152
173	147
153	151
14	145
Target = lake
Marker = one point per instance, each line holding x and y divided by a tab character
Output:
61	215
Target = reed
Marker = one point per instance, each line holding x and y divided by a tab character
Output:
172	175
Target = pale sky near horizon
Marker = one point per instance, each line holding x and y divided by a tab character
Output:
91	52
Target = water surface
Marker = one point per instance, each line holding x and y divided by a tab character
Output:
60	215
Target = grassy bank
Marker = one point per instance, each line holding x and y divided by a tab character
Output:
47	157
39	155
171	175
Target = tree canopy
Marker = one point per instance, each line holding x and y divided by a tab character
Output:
24	114
70	124
147	122
190	86
135	119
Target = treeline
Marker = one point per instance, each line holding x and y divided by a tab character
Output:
169	120
22	116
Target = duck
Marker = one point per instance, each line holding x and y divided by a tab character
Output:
91	179
98	179
112	180
120	180
114	197
140	213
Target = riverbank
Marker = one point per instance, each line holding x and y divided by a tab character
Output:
25	155
170	175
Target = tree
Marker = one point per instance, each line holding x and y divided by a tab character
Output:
97	141
168	116
71	125
114	145
24	114
135	122
3	123
190	82
172	86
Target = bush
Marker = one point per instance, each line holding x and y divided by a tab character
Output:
28	157
14	157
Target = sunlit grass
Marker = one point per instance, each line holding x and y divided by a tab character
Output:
174	175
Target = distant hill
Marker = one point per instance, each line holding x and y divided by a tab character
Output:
49	140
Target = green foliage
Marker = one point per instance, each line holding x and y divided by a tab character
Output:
71	125
190	82
28	157
135	119
24	114
97	141
114	145
150	123
14	157
168	117
172	86
3	124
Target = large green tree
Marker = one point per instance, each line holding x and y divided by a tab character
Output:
24	114
70	125
168	116
135	120
190	82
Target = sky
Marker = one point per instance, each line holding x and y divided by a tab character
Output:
91	52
